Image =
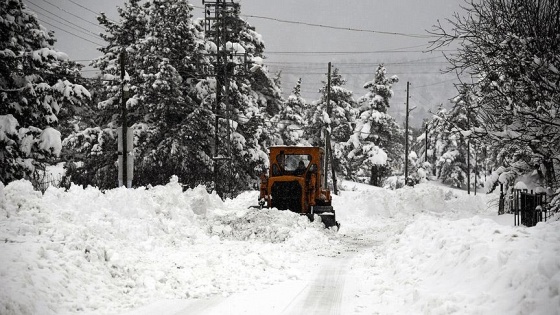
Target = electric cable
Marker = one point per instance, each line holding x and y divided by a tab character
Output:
331	26
348	52
70	24
90	10
339	28
73	34
74	15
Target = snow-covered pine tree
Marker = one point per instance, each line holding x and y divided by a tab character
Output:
95	145
341	120
377	139
253	98
451	146
290	121
174	134
122	36
172	126
34	86
433	128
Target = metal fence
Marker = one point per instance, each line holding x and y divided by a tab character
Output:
528	207
42	180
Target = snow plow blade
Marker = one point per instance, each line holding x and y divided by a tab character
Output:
327	215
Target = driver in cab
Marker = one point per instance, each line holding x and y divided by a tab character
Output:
300	169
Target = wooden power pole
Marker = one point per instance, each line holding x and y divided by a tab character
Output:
426	139
468	153
124	122
406	135
328	137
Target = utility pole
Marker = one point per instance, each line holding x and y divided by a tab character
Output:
124	122
468	153
220	25
328	134
406	135
426	138
328	148
475	167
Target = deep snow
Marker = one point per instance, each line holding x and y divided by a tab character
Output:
422	250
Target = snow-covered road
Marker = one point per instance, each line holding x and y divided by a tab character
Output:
329	288
422	250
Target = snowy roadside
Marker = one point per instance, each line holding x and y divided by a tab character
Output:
426	249
466	266
459	257
83	250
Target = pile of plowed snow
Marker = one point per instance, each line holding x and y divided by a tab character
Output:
108	251
427	249
451	253
359	202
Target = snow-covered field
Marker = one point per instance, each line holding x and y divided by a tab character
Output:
422	250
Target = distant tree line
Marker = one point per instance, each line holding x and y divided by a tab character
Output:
508	112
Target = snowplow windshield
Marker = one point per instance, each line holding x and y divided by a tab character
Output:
293	161
290	164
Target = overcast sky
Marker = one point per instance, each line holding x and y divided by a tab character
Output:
292	46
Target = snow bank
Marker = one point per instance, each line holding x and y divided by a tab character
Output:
426	249
106	252
368	201
467	266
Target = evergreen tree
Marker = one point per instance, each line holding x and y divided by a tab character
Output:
426	148
174	132
171	125
34	90
95	145
173	100
449	140
377	138
291	121
254	99
340	122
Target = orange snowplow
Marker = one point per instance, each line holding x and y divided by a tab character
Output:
295	182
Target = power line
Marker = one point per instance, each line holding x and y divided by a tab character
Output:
74	15
365	73
436	83
330	26
71	25
342	66
319	65
348	52
416	60
339	28
90	10
73	34
83	7
295	64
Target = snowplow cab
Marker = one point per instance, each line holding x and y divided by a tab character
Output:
295	182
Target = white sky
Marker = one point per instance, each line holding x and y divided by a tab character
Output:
285	42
